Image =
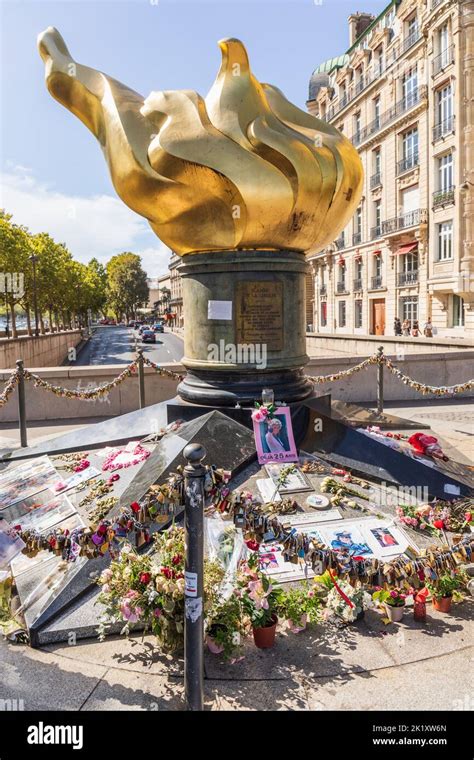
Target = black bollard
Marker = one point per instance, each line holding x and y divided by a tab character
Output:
380	381
194	474
141	379
21	404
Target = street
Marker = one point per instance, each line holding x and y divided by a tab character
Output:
117	345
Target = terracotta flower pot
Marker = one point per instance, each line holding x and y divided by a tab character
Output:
442	603
264	638
298	627
394	613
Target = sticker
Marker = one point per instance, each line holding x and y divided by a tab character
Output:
219	310
193	609
190	584
451	488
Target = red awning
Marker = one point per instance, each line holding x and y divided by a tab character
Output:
408	248
376	253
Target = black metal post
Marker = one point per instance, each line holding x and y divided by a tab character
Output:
194	474
34	259
21	404
141	379
380	382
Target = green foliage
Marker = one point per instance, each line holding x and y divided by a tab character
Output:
127	288
447	584
296	601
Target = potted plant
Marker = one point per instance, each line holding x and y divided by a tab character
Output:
259	598
225	628
299	605
444	589
393	602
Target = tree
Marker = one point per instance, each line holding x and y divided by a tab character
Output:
127	284
15	249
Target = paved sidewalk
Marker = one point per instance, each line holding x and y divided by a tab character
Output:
366	666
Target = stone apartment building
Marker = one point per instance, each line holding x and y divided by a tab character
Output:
176	287
404	94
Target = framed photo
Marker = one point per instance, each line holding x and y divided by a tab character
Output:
26	480
10	544
295	481
347	537
274	438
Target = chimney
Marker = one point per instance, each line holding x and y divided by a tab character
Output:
358	23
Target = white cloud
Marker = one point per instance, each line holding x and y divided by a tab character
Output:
98	226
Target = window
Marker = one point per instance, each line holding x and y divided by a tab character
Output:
358	269
377	160
378	63
412	26
377	110
410	88
358	313
410	146
445	241
457	310
357	124
410	263
443	45
445	173
444	106
358	221
323	276
378	215
342	313
409	309
378	266
341	275
341	127
324	314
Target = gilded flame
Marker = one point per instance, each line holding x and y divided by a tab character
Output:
241	169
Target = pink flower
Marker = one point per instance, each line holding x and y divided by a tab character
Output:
264	411
258	416
258	595
157	612
60	486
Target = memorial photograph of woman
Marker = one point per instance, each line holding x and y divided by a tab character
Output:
274	438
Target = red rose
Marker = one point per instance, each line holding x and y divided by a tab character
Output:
166	572
468	516
102	530
438	524
176	559
252	545
145	578
135	506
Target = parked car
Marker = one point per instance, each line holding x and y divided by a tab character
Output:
158	327
148	336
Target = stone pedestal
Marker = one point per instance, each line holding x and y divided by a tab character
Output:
245	326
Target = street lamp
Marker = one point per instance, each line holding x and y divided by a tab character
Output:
34	258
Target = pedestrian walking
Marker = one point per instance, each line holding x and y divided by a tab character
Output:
397	326
406	328
428	329
415	330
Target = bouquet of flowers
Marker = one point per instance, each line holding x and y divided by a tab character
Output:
258	595
147	590
343	601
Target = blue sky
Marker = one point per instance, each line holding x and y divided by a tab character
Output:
54	176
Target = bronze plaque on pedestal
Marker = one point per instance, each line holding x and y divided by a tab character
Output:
259	313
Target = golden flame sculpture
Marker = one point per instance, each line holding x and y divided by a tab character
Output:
241	169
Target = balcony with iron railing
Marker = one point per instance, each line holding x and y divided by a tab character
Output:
442	60
376	231
375	180
388	117
435	3
444	128
408	278
356	238
409	41
443	197
402	222
408	162
357	285
323	290
340	242
376	282
341	286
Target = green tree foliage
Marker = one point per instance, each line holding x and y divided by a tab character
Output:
127	284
